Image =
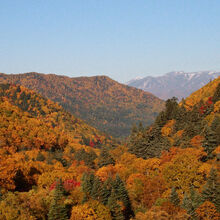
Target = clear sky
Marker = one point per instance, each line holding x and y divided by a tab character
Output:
119	38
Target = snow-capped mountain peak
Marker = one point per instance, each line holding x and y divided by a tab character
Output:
176	83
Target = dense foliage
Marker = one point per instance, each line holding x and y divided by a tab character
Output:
188	124
100	101
54	166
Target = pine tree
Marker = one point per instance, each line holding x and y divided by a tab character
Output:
216	128
195	198
171	108
105	158
216	96
106	190
191	202
174	198
87	185
210	142
122	195
96	192
186	203
211	190
57	209
114	207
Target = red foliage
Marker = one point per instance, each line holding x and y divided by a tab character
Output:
203	108
67	184
209	102
91	143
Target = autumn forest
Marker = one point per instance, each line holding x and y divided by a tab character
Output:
91	148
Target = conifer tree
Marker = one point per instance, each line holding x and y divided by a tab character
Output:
186	203
174	198
114	207
87	185
96	192
191	202
105	158
106	191
210	142
216	96
211	190
195	198
122	195
57	209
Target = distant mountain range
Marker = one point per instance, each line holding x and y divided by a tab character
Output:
179	84
100	101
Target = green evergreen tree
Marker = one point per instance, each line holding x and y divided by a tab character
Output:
211	190
216	96
211	141
195	198
148	144
171	108
174	198
161	119
122	195
215	126
106	190
186	203
114	207
57	210
96	192
191	202
87	185
105	158
87	157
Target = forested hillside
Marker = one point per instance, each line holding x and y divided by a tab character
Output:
100	101
195	119
29	120
169	170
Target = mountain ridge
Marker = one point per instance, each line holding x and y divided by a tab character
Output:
177	83
102	102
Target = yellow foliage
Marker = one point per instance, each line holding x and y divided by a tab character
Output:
168	128
92	210
183	170
105	172
196	141
153	214
217	107
12	207
202	94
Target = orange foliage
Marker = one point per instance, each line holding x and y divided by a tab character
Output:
197	141
207	211
106	172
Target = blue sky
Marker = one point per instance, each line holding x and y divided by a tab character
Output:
119	38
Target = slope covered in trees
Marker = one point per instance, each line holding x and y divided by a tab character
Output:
169	170
100	101
193	122
28	119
